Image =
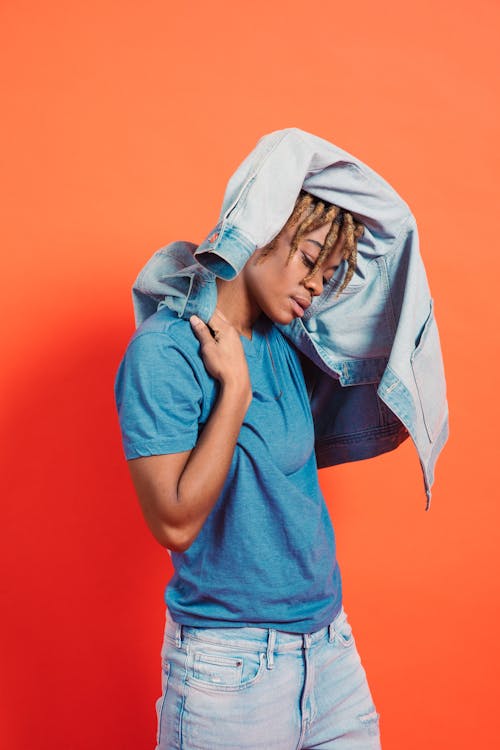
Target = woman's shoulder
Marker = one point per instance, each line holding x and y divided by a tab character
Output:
164	332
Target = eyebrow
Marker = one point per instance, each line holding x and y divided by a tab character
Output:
315	242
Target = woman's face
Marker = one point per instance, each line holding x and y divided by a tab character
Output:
279	288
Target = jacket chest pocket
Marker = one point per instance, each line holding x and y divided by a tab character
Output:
428	371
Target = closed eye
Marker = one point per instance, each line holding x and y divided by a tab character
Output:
307	261
310	263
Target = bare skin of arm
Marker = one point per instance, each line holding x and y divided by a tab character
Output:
177	491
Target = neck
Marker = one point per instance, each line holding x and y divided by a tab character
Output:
236	304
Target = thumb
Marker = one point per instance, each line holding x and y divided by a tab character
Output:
200	329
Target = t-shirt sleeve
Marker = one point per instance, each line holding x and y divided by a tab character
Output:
158	397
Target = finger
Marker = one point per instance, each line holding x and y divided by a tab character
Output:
200	329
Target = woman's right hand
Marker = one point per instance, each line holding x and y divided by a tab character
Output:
223	354
177	491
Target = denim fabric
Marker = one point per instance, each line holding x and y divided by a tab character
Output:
372	356
262	689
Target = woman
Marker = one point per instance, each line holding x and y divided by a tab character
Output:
258	652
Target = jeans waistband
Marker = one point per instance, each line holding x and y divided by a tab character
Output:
253	638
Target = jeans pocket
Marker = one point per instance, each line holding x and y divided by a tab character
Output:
160	703
343	631
219	670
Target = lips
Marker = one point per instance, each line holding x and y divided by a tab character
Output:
300	304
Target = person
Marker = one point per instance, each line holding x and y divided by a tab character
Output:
258	652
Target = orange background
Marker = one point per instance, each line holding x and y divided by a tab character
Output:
122	123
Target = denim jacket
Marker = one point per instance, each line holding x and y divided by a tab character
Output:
371	357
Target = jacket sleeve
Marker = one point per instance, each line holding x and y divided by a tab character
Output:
261	194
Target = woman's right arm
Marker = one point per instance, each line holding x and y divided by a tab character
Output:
177	491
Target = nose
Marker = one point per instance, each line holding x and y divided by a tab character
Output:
314	284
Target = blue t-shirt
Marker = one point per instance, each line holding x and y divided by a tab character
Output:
265	555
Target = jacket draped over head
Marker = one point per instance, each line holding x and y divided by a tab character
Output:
372	356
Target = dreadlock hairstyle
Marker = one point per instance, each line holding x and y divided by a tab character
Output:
309	213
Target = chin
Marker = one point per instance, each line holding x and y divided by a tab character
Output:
278	313
283	317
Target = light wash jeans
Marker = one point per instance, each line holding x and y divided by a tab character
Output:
253	688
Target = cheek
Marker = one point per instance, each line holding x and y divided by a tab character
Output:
280	282
270	277
296	270
273	280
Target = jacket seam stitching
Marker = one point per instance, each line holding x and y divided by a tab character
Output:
249	180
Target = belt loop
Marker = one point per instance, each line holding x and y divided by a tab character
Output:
271	640
331	632
178	635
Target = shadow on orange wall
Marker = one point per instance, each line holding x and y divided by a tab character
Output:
82	567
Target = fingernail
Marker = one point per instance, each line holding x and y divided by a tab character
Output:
194	320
